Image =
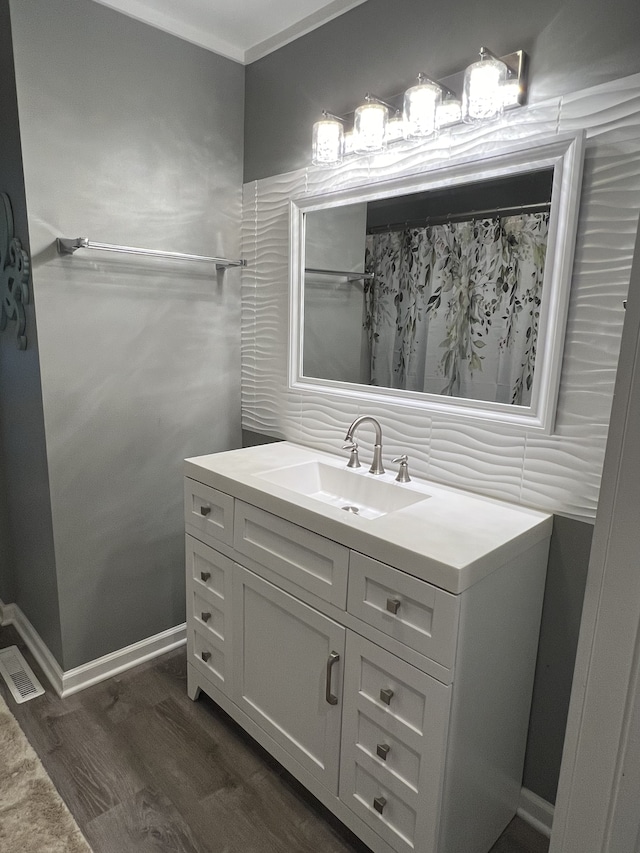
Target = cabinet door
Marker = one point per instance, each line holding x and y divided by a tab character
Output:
288	665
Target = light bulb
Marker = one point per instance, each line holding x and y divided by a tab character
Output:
448	112
348	143
511	93
395	128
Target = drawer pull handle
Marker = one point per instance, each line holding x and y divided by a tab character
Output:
204	576
393	605
206	656
331	698
205	617
379	803
382	750
205	510
386	695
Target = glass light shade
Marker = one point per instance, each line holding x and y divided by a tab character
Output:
369	127
420	104
328	142
395	128
448	112
482	98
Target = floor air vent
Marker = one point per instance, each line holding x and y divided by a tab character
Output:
19	676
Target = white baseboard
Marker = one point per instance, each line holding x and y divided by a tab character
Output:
12	615
536	811
74	680
122	659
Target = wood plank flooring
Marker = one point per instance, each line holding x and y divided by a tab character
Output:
145	770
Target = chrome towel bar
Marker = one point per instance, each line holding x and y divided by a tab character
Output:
67	246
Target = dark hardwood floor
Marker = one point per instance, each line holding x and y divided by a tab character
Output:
143	770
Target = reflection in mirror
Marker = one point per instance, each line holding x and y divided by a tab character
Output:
436	291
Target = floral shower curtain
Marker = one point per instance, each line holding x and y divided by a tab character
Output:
454	309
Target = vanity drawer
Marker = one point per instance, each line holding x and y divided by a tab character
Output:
209	656
398	696
414	612
308	560
210	570
392	754
208	511
387	752
388	814
208	615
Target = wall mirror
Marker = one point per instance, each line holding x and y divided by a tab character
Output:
446	290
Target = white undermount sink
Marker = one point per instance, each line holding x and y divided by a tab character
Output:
355	491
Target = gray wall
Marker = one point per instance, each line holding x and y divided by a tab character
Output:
380	47
28	554
6	556
129	136
561	613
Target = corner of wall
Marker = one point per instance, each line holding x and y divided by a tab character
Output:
27	522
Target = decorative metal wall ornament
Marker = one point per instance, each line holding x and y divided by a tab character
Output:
14	275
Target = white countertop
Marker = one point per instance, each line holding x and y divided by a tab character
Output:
452	538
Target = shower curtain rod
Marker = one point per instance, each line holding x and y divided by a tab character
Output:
441	219
68	246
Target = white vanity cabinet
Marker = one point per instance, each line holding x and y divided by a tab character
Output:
400	703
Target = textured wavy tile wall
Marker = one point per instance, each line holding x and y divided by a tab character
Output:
560	472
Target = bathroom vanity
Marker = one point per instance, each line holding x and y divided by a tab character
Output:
383	653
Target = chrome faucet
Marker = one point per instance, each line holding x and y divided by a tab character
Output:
376	466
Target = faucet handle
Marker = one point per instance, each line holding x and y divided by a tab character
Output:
403	470
353	462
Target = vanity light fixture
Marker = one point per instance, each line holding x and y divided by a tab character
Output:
420	104
328	140
491	85
370	125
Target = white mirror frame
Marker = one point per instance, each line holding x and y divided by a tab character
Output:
564	154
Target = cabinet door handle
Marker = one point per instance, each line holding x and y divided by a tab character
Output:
204	576
379	803
332	699
393	605
205	617
382	750
206	656
386	695
205	510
